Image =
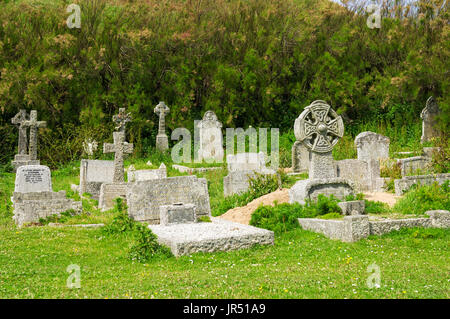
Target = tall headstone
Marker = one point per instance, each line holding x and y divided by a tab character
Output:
372	146
211	138
429	120
119	148
301	157
34	126
162	141
121	120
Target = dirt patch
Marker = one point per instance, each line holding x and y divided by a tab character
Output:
243	214
383	197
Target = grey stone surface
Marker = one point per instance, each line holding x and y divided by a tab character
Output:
404	184
354	207
219	235
386	226
370	145
429	120
162	141
19	119
93	173
34	126
192	170
145	198
301	158
411	165
322	166
147	174
439	218
177	214
119	148
310	189
237	182
364	174
211	139
109	192
33	178
246	162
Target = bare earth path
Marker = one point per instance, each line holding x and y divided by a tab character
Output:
243	214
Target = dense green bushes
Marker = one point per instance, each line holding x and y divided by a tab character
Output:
256	62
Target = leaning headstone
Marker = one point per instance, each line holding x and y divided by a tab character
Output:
301	158
429	120
34	126
211	139
319	128
34	198
22	157
370	145
145	198
162	141
93	173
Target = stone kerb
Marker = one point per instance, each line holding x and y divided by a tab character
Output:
404	184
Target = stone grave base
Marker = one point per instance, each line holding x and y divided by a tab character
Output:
30	207
219	235
310	189
354	228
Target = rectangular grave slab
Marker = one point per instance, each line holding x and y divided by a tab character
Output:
219	235
93	173
177	214
33	178
145	198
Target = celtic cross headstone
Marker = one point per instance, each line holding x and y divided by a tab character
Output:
120	148
162	141
319	128
34	126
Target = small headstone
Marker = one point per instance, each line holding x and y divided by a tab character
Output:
211	138
162	141
370	145
429	120
301	158
93	173
33	178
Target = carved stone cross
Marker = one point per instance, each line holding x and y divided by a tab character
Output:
19	120
34	125
120	147
122	119
162	141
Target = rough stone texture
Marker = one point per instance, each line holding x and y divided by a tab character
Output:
237	182
364	174
177	214
34	126
119	148
145	198
412	164
147	174
370	145
33	178
404	184
355	207
162	141
211	139
429	120
322	166
191	170
386	226
219	235
93	173
19	119
439	218
22	160
109	192
310	189
301	158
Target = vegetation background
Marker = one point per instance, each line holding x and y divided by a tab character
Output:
253	62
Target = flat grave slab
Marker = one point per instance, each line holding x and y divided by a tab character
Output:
219	235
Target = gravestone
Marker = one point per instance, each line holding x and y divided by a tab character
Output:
413	165
429	120
22	157
301	158
119	148
34	198
370	145
211	139
145	198
319	128
34	126
146	174
93	173
162	141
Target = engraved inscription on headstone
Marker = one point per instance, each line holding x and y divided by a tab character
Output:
33	178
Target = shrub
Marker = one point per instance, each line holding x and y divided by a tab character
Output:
262	184
420	199
279	218
374	207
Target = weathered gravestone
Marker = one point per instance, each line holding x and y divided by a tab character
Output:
319	128
34	198
429	120
145	198
162	141
22	157
301	158
93	173
211	139
370	145
34	125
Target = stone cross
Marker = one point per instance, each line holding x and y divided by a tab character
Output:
429	120
319	128
121	120
120	147
34	125
162	141
19	120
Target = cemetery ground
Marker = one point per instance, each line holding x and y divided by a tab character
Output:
301	264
